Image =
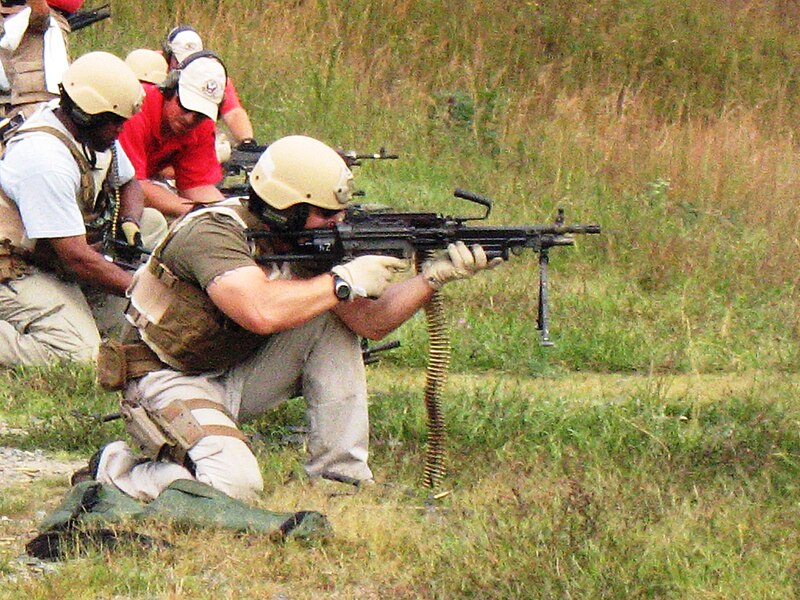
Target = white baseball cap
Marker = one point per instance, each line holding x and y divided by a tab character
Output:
184	43
201	85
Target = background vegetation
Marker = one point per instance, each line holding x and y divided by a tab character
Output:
673	124
670	123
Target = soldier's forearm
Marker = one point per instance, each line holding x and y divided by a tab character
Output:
131	201
163	200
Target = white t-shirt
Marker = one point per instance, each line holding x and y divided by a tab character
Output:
40	175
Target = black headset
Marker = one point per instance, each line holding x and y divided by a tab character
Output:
288	220
76	114
170	84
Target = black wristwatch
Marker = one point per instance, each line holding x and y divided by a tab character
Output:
341	288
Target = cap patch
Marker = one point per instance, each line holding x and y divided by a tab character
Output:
210	88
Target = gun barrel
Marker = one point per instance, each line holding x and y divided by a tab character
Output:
84	18
589	229
373	156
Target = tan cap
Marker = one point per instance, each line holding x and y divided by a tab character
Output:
185	43
201	85
149	65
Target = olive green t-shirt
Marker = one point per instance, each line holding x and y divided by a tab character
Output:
206	247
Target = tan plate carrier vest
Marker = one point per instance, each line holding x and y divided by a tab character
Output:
17	252
26	63
177	319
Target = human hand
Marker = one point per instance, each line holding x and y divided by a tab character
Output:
369	276
133	236
250	145
460	262
223	149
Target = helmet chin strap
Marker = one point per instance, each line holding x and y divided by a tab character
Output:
80	124
288	220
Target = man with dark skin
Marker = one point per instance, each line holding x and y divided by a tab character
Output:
51	177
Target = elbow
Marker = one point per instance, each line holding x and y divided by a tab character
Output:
263	324
260	326
374	334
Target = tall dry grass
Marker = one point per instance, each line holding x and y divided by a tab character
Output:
673	124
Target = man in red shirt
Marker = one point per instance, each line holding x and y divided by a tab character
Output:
175	128
184	40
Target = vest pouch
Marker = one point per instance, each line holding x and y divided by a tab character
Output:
182	325
112	366
29	79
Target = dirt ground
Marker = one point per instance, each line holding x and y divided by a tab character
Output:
18	466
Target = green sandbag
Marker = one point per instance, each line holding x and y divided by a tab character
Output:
91	505
190	502
91	502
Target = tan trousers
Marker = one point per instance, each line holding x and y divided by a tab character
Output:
44	319
320	360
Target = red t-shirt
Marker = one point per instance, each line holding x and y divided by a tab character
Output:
230	99
69	6
193	155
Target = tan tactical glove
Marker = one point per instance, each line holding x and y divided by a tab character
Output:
369	276
460	262
130	229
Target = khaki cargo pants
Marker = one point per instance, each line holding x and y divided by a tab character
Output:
44	319
320	360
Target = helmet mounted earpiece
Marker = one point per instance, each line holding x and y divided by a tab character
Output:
287	220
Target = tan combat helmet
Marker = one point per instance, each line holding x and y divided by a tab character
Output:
148	65
301	170
99	82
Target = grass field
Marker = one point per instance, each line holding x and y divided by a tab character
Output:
654	451
581	486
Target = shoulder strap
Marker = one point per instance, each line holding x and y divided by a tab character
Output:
230	207
86	194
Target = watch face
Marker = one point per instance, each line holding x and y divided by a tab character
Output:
341	288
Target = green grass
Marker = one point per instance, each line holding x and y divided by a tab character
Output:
654	451
583	486
670	123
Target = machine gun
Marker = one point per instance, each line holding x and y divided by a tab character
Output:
90	16
418	235
242	160
122	254
405	235
77	20
368	352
